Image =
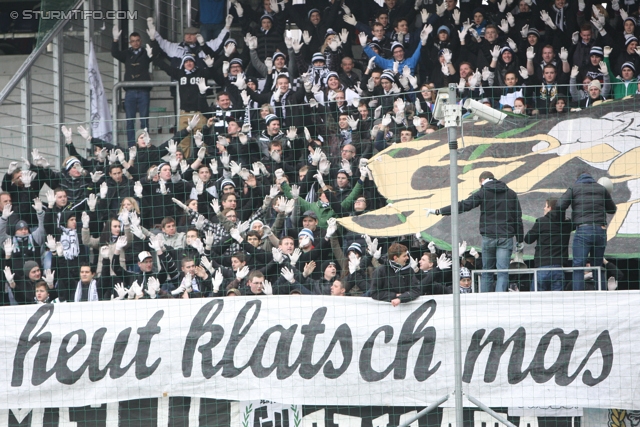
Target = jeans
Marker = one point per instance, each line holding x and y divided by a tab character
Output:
136	100
211	31
496	254
549	279
589	244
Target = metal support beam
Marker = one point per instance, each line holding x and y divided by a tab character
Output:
114	101
26	65
58	95
25	114
425	411
457	340
489	411
88	24
188	23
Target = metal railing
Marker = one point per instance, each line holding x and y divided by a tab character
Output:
535	274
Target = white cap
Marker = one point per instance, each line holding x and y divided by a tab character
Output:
144	255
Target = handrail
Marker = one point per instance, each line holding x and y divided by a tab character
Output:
31	59
114	101
535	273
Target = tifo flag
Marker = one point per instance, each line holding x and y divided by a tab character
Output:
101	126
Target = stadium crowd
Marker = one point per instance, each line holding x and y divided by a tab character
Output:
244	199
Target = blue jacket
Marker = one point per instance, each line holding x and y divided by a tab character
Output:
388	63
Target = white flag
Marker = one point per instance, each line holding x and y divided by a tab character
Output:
101	126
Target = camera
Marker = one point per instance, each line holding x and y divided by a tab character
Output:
489	114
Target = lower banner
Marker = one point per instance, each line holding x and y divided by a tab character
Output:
570	349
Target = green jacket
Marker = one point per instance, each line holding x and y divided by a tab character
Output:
323	213
620	87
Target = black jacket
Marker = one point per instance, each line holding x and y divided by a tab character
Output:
387	283
136	64
500	212
590	202
552	232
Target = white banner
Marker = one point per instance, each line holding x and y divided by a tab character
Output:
570	349
101	125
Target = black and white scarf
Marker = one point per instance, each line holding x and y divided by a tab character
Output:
70	243
92	294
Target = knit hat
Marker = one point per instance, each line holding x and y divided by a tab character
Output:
465	273
226	182
395	45
21	224
628	64
266	16
235	61
140	132
596	50
144	255
70	162
311	11
257	221
329	32
444	28
533	31
387	75
234	291
231	41
317	57
630	18
187	57
355	246
504	49
277	54
308	233
375	45
270	118
595	83
327	264
28	266
630	39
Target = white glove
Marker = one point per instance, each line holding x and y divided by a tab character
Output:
151	29
133	151
544	15
242	273
306	37
149	50
235	168
462	248
202	85
228	20
215	205
443	262
289	206
179	290
607	51
575	70
344	36
354	264
320	180
350	19
96	176
474	252
235	233
277	255
297	45
293	258
198	246
85	220
502	5
84	133
486	74
603	67
456	16
564	54
295	191
163	187
267	289
27	177
512	45
51	243
332	227
430	212
92	200
204	261
193	123
216	280
288	275
531	54
292	133
362	37
441	8
135	291
324	166
447	55
524	73
37	204
121	243
511	20
504	26
8	275
353	123
121	291
200	221
495	52
386	120
413	263
153	286
524	32
8	246
137	189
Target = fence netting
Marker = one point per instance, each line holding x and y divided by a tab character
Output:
329	221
